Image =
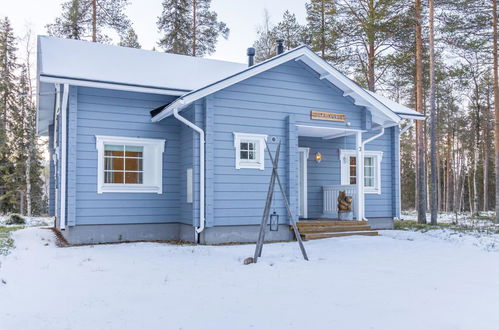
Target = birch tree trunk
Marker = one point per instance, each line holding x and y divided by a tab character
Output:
420	145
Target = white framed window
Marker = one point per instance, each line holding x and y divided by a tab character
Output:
250	150
129	165
372	169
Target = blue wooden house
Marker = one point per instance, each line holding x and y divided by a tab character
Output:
147	145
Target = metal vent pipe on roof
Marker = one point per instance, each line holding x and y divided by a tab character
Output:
280	46
251	56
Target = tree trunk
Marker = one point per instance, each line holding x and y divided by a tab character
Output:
323	30
194	27
474	210
420	145
486	141
433	115
496	102
94	20
448	167
372	48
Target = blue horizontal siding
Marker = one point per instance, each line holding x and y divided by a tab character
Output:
263	105
118	113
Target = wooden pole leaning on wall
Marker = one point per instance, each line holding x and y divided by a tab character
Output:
266	211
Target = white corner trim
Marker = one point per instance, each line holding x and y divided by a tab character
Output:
64	150
153	165
345	155
258	138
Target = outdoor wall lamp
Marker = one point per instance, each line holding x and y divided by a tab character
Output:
274	222
318	157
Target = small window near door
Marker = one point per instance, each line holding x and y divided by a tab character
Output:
372	170
250	150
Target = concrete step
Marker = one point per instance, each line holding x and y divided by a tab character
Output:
310	236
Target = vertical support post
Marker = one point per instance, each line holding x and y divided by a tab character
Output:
360	176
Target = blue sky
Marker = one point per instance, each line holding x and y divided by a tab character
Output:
242	17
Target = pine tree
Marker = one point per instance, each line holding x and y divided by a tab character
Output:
322	26
369	31
189	27
130	39
289	30
87	19
8	92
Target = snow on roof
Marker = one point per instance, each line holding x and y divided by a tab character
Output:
76	59
381	111
398	108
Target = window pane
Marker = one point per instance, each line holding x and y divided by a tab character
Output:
133	151
368	161
353	171
244	155
113	177
133	177
115	164
353	161
244	146
369	171
113	150
251	155
353	180
251	146
133	164
369	182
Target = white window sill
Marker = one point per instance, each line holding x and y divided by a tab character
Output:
129	188
257	166
372	191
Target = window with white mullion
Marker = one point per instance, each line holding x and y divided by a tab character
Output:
248	151
372	169
123	164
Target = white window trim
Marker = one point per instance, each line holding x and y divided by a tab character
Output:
260	138
153	165
345	171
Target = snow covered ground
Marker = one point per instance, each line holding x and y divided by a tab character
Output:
450	217
31	221
400	280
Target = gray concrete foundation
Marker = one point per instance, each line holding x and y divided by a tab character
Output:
243	234
90	234
380	223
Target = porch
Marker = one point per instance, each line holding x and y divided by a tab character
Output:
325	228
327	164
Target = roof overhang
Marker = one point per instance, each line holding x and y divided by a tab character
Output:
380	112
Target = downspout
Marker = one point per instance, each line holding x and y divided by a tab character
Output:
361	162
405	129
199	229
65	96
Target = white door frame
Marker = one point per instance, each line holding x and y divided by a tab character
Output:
303	154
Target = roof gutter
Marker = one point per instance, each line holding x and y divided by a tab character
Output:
201	227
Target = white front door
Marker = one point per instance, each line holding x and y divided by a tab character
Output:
302	182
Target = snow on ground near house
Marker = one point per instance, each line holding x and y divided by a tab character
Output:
30	221
464	218
400	280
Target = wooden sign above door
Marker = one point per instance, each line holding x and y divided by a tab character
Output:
329	116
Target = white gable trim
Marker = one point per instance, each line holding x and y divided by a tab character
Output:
307	56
